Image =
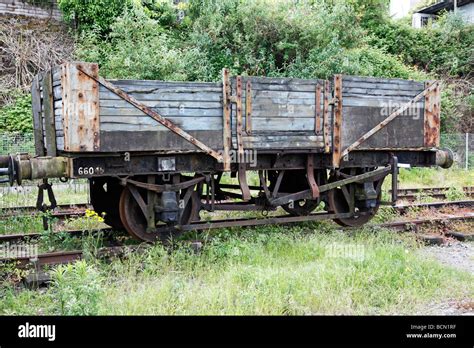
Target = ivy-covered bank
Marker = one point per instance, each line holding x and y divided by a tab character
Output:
194	40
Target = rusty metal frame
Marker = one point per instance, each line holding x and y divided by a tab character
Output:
310	177
156	116
326	126
164	187
390	118
242	170
431	119
248	108
226	122
307	194
337	122
317	110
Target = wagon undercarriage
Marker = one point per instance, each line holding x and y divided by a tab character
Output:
154	207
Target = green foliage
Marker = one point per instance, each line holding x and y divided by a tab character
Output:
99	14
363	61
264	38
137	47
445	47
77	288
17	116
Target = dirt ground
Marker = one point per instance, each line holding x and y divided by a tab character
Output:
458	255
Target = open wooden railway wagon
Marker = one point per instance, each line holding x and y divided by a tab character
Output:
155	151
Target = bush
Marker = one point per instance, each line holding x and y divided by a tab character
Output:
444	47
77	287
17	116
363	61
137	48
99	14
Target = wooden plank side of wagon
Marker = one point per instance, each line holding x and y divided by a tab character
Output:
283	113
194	107
365	105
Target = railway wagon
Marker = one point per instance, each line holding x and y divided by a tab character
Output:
155	152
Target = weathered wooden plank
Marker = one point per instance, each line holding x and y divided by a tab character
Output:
277	142
56	71
130	84
60	143
127	123
281	124
282	81
163	103
379	102
283	95
374	85
80	94
112	141
166	112
37	115
348	78
57	93
282	88
48	114
380	92
165	96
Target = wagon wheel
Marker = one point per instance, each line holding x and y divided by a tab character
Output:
135	221
105	196
339	205
295	181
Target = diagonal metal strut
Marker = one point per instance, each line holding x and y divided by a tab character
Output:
390	118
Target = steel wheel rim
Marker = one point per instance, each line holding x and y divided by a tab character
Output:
135	223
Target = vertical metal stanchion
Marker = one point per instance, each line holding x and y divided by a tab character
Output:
466	152
394	163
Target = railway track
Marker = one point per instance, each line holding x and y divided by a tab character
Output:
61	211
61	257
71	210
412	194
248	222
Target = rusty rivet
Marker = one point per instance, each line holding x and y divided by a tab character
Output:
80	95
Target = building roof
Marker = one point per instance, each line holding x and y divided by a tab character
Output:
447	5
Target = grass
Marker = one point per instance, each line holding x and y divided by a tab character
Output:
268	270
435	177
